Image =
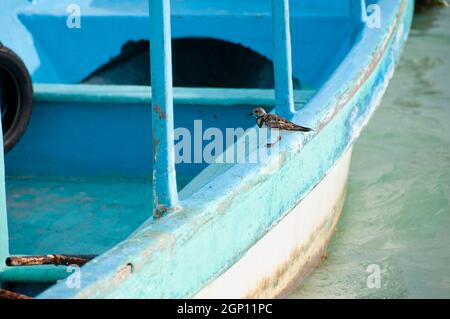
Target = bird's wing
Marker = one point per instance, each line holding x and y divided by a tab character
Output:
277	122
274	121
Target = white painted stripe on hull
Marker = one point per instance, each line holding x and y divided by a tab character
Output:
277	259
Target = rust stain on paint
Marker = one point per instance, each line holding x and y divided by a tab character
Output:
161	113
346	97
122	273
301	261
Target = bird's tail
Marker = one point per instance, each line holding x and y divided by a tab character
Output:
300	128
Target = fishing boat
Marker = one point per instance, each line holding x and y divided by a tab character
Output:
104	196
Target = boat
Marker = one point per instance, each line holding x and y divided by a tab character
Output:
103	196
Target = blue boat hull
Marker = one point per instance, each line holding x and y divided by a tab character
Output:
226	211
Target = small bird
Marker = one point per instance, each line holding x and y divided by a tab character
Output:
275	122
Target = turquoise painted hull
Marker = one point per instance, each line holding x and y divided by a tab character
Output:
225	209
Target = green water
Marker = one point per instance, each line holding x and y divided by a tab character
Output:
397	213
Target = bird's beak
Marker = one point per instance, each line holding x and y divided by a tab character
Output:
250	114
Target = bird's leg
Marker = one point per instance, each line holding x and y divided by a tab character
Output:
273	143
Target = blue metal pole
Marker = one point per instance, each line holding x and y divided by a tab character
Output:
165	194
282	56
4	238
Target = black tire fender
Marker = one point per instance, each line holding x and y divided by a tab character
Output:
16	97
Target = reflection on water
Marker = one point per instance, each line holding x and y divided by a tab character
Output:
397	211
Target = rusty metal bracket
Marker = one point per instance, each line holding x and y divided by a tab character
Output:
57	260
6	294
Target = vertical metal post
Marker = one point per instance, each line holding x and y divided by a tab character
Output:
4	238
282	56
165	194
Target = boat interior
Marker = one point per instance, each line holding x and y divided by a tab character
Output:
80	179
